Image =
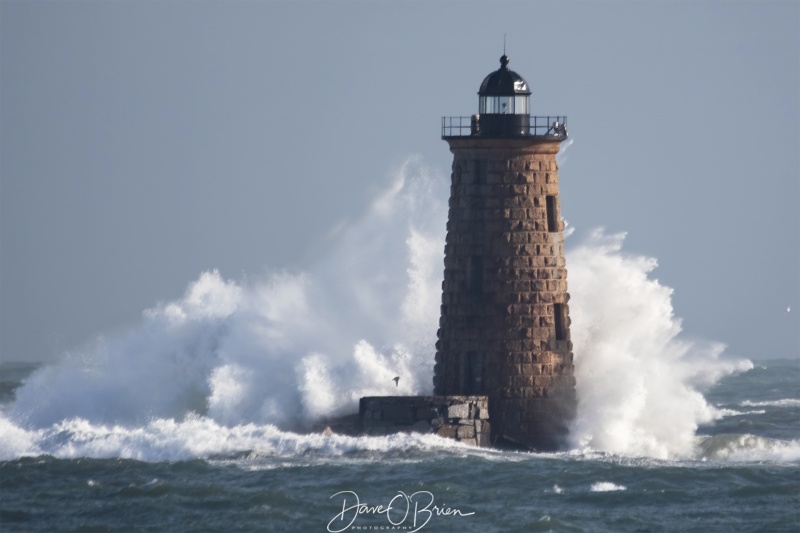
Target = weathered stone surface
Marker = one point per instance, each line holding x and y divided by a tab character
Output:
448	432
427	413
466	432
458	411
456	417
398	412
422	427
504	325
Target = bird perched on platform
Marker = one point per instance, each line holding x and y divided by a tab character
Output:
396	380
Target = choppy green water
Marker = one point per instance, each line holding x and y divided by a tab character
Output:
746	477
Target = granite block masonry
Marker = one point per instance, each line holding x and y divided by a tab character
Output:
463	418
504	330
504	327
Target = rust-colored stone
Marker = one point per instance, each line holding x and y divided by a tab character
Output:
504	274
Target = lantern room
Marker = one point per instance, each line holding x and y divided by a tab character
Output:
504	111
503	107
503	92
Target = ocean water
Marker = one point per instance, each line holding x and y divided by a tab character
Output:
203	417
195	475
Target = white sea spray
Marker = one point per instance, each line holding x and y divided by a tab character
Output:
639	382
232	363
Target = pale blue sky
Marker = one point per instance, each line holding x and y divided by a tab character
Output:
144	142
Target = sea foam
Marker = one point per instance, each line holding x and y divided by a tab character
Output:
639	383
198	437
251	358
606	486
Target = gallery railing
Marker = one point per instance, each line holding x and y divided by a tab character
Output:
508	125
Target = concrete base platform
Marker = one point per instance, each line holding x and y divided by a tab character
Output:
463	418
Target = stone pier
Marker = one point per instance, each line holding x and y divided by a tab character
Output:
463	418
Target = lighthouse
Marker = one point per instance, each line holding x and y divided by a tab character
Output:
504	331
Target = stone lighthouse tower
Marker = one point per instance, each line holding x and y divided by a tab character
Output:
504	330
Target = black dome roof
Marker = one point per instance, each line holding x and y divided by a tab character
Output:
504	82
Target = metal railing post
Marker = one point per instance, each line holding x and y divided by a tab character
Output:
538	125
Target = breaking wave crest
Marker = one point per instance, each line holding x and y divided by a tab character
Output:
285	350
236	365
748	448
196	437
639	383
785	402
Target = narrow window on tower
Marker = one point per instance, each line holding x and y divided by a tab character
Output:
474	373
480	171
560	321
552	216
475	275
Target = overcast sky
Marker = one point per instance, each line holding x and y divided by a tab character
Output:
145	142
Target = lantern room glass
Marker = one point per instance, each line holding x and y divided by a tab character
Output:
503	105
